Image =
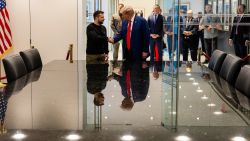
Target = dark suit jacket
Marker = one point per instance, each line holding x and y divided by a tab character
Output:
192	26
170	25
139	39
243	30
139	80
156	27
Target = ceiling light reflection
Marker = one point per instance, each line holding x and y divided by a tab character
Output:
211	105
195	83
191	78
204	97
218	113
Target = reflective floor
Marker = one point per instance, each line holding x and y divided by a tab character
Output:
140	103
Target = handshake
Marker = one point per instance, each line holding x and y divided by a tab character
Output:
110	40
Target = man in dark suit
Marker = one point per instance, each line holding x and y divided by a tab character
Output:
172	33
200	33
135	35
134	82
190	37
155	22
240	32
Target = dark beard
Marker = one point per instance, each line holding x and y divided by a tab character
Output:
100	22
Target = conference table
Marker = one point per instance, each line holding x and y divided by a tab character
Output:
58	97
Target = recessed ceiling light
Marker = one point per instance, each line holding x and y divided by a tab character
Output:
238	138
73	137
182	138
127	138
188	74
19	136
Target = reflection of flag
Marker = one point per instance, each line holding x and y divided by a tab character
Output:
3	107
5	33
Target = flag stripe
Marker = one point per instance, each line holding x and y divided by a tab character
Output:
5	30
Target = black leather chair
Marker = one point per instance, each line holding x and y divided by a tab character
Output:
32	59
231	68
216	60
14	67
243	81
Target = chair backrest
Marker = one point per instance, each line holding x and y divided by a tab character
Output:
243	81
216	60
14	67
32	59
231	68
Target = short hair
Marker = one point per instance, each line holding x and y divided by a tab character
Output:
243	5
96	13
127	9
199	12
210	5
121	4
96	101
190	11
157	5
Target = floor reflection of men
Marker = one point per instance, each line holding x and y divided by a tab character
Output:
155	68
134	81
97	73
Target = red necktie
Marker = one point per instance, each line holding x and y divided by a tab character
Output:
128	35
156	53
128	83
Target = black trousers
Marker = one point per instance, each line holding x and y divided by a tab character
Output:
210	45
239	46
201	38
189	44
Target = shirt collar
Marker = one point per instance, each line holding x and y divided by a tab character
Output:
133	18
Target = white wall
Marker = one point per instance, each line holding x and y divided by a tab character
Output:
20	25
54	25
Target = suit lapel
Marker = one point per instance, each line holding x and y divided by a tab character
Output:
134	27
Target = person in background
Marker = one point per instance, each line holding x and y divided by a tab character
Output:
97	77
190	37
97	40
155	22
200	33
133	79
172	28
240	32
211	25
135	35
116	25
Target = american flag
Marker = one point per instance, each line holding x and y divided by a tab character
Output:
5	32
